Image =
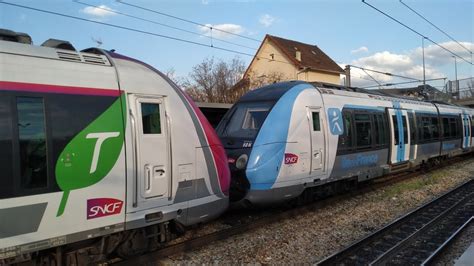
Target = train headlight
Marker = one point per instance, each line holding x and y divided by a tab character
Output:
241	161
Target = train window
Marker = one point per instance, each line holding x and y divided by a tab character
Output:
32	138
254	118
434	127
316	123
151	118
471	119
380	131
345	140
446	130
6	161
363	127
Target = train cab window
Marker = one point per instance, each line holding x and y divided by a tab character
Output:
151	118
254	118
363	127
316	123
32	142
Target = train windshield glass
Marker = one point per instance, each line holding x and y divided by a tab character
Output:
246	120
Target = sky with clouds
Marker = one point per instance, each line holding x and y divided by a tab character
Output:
349	31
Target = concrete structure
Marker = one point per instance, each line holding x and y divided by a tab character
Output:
279	59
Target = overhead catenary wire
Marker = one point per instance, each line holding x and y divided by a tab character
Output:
145	32
432	24
401	83
187	20
385	73
161	24
416	32
123	28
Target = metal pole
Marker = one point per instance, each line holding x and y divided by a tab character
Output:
423	48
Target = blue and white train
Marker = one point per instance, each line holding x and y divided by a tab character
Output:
288	137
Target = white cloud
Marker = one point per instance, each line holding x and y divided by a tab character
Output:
101	11
406	64
437	55
266	20
362	49
222	31
205	2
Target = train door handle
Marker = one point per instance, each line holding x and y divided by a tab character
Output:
147	177
161	172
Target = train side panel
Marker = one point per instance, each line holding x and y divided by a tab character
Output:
60	119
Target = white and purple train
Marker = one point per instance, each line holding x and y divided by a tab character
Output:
292	137
99	151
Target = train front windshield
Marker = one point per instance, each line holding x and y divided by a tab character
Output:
245	120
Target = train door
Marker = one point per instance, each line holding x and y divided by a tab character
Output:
152	158
400	136
466	139
318	147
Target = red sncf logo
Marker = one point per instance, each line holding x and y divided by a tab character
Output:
103	207
291	158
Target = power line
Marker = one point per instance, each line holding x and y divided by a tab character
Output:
385	73
186	20
164	36
421	16
161	24
124	28
413	30
380	85
400	83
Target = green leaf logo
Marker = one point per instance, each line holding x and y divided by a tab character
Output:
92	153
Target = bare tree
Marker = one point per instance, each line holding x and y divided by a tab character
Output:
213	80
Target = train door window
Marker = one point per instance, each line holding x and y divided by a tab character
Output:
405	129
32	142
316	123
411	121
151	118
395	128
363	128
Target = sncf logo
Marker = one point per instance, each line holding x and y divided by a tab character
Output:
291	158
103	207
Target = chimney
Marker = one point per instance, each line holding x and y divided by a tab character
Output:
298	55
348	75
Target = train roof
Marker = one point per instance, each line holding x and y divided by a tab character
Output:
271	92
55	50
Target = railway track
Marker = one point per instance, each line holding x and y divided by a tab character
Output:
414	238
268	217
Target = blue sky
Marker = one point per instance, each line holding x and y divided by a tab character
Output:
349	31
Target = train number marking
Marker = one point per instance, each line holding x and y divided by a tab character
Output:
247	144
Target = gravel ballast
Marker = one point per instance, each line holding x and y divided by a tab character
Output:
312	236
